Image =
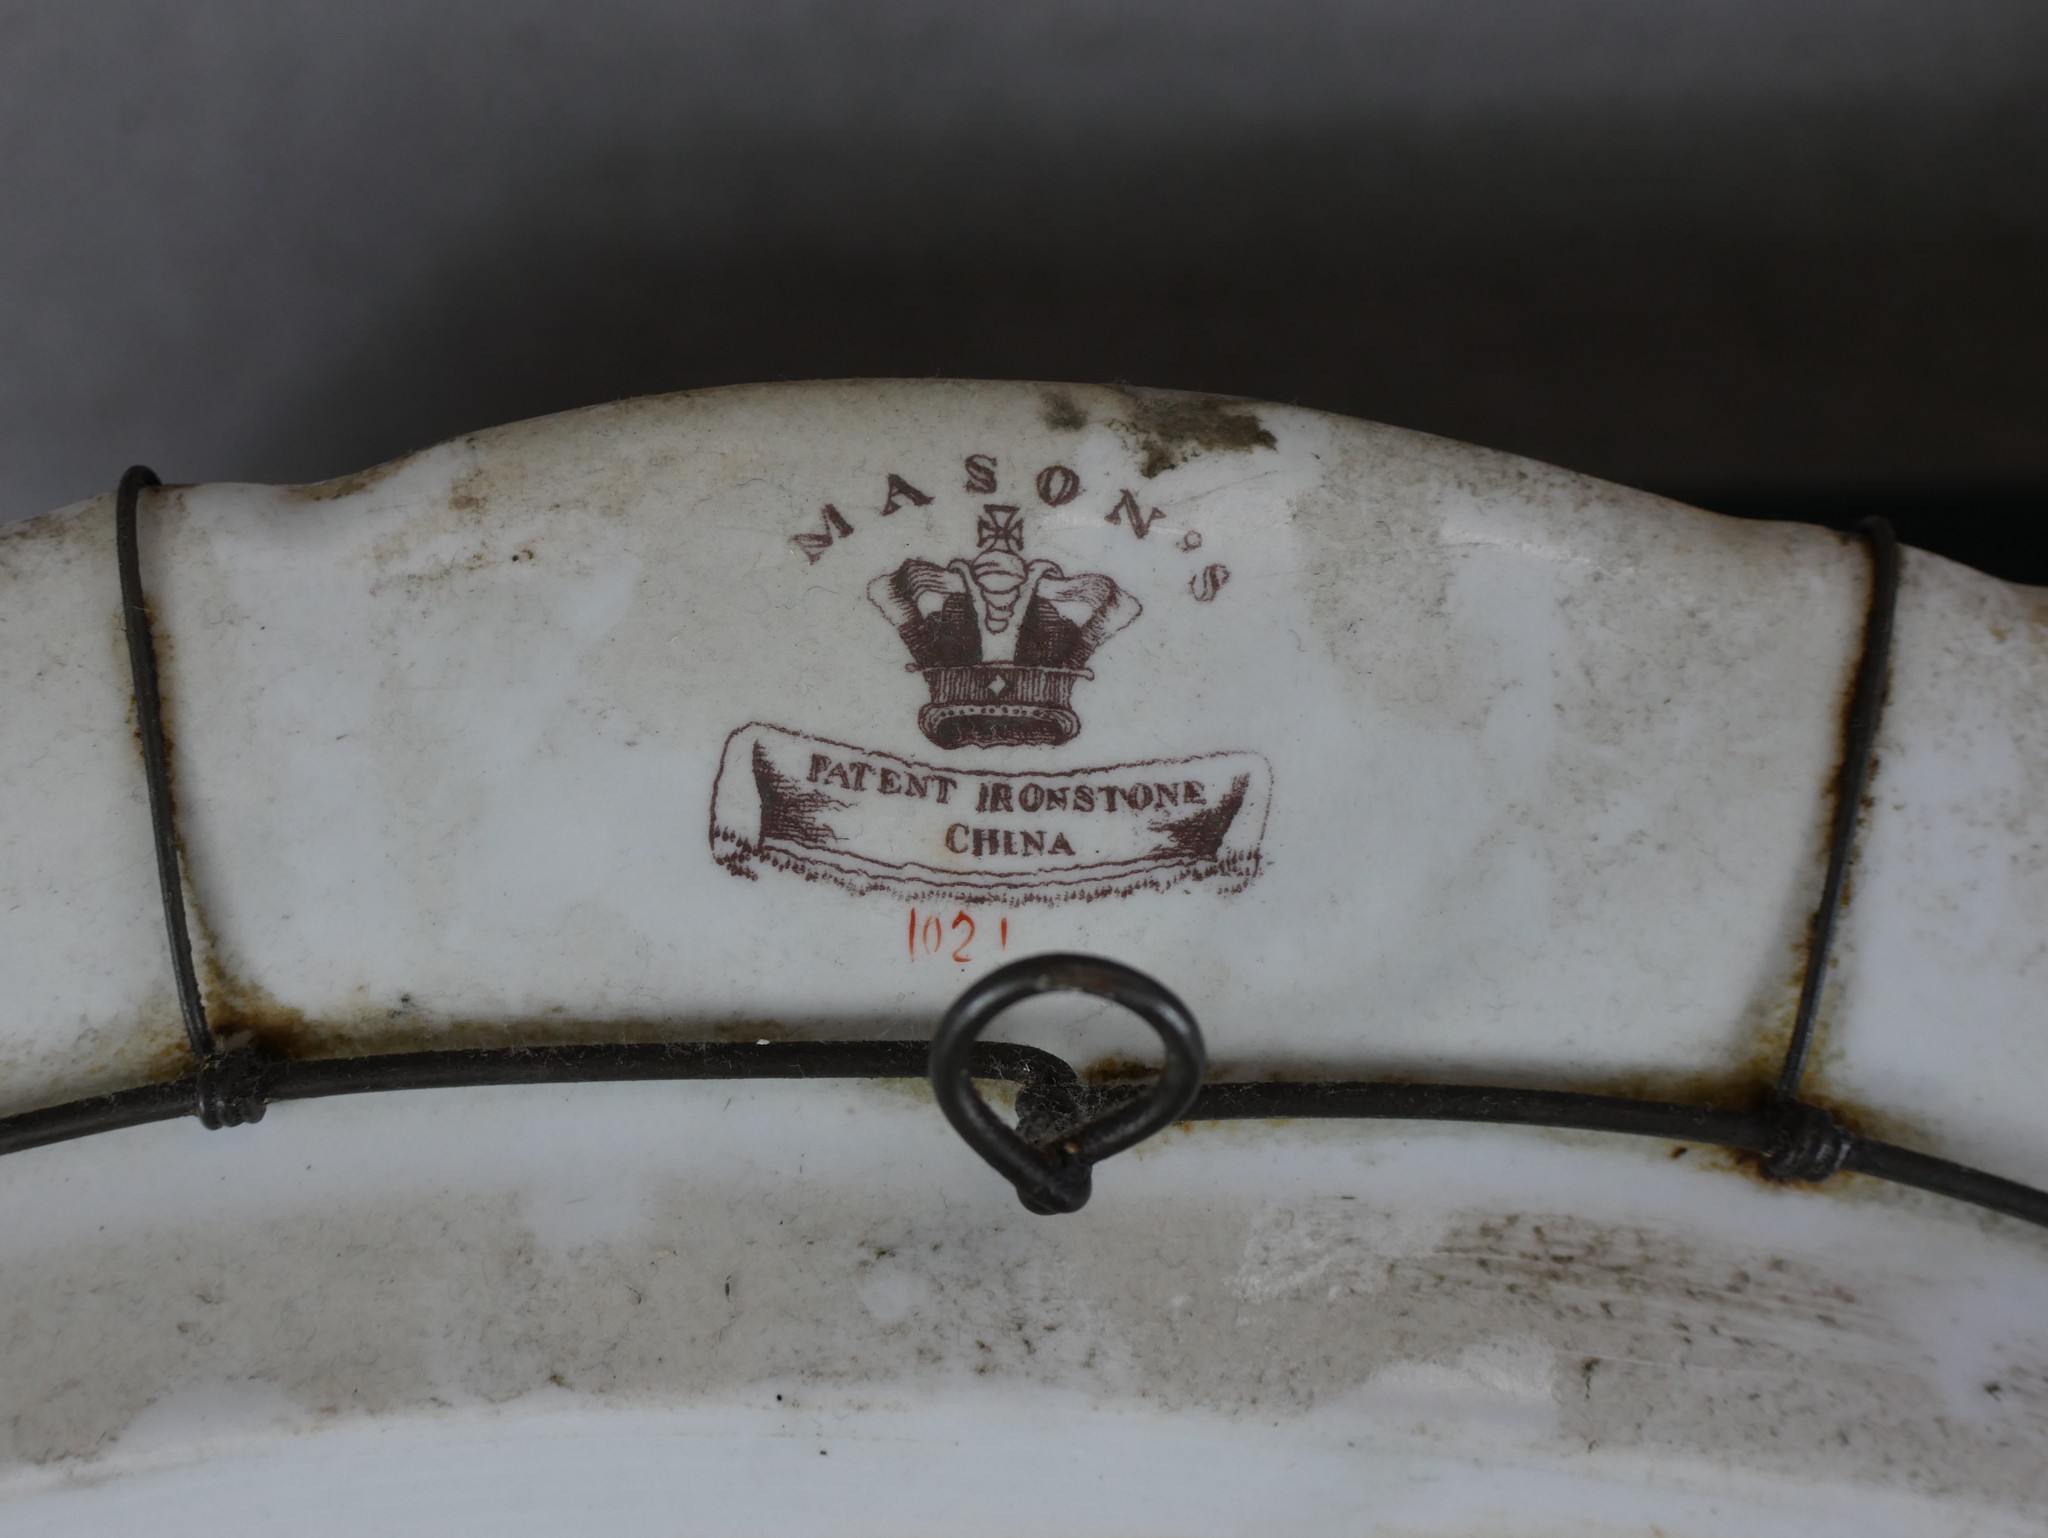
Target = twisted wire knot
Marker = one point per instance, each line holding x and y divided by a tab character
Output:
1048	1157
1810	1146
232	1088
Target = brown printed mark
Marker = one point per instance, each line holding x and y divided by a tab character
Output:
1001	640
1058	485
1208	582
870	821
981	474
814	545
1127	512
900	492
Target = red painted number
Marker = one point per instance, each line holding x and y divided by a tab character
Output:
928	935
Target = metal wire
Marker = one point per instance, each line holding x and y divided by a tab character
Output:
247	1080
1063	1120
156	759
1052	1171
1859	745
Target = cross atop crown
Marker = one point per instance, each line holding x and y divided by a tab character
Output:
1000	528
1000	640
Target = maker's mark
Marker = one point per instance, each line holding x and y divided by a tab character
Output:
1000	640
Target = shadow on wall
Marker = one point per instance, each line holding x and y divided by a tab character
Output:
1423	283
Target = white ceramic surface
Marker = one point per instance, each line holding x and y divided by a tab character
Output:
1399	757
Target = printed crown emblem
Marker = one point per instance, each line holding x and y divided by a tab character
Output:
1001	641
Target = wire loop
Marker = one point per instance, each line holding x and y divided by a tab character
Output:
1053	1173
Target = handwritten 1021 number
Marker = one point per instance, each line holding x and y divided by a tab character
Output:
932	934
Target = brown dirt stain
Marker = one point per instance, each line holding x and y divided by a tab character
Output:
1164	428
1062	413
1168	429
1638	1339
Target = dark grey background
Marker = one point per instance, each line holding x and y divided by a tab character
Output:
1773	256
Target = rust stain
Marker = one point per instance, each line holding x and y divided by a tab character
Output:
469	504
1116	1070
241	1012
471	491
2034	609
1734	1084
1822	1049
1743	1084
465	515
17	538
245	1012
